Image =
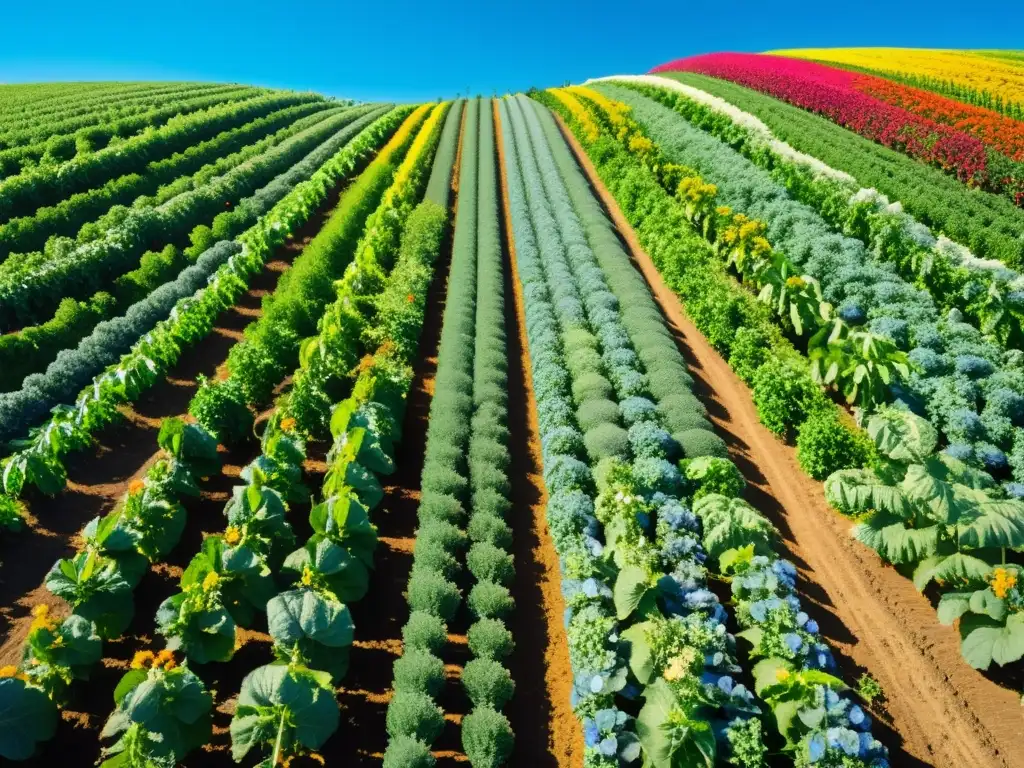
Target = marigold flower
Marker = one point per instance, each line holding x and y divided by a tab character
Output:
165	659
9	671
288	424
136	486
232	535
795	282
43	619
210	581
307	576
410	298
1003	580
143	659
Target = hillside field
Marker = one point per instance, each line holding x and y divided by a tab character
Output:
666	420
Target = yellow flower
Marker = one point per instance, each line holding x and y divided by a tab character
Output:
723	210
288	424
43	619
782	675
307	576
165	659
316	758
9	671
1003	581
232	535
679	666
210	581
136	486
143	659
795	282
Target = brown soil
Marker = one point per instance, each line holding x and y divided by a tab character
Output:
547	731
97	479
938	711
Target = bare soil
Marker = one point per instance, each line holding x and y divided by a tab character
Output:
938	710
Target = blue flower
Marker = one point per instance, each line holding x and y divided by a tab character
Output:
596	684
856	715
793	641
591	587
801	619
725	684
759	611
591	733
811	626
608	747
816	748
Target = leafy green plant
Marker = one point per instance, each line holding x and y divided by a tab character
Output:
311	628
30	717
869	689
860	364
710	474
162	712
283	710
96	588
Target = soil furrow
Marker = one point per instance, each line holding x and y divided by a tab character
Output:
940	711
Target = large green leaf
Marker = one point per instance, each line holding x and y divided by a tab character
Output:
854	491
903	436
632	586
928	485
27	717
957	570
667	744
641	660
893	540
302	614
345	575
986	640
999	524
303	698
344	520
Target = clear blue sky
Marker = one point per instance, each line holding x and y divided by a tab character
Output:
419	50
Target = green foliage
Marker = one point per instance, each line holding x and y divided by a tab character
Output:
697	443
414	715
869	689
408	752
220	407
487	683
29	717
488	600
487	738
432	593
424	631
785	396
710	474
607	440
489	563
490	639
826	444
418	671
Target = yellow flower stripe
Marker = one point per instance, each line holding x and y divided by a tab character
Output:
578	111
416	149
615	110
998	76
410	124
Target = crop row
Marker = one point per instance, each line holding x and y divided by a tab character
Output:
58	147
627	508
967	386
22	194
989	225
40	463
30	349
898	496
990	79
108	340
987	292
237	574
74	112
65	217
33	283
833	92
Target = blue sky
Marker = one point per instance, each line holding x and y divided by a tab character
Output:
410	50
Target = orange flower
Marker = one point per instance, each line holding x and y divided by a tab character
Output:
288	424
165	659
43	619
143	659
410	298
136	486
232	535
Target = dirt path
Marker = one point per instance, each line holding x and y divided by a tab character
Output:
547	731
940	711
97	480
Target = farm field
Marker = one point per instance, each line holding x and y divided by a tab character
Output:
664	419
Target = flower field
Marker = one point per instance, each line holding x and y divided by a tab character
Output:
665	420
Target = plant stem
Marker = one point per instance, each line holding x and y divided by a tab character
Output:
280	736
